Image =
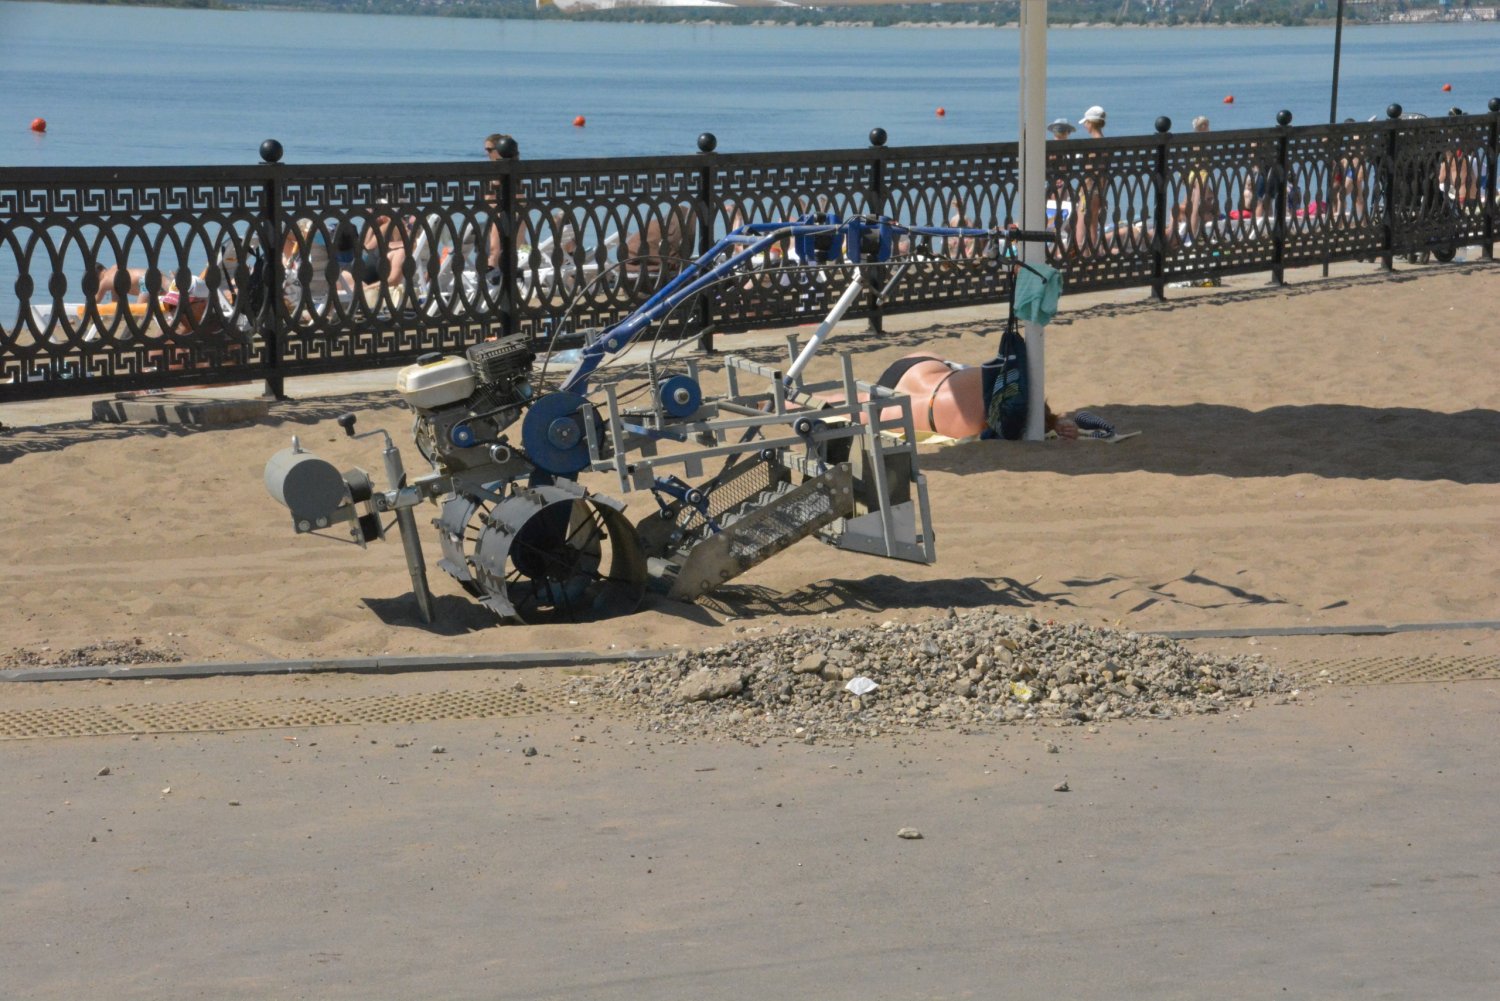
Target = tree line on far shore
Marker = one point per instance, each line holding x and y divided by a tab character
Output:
1141	12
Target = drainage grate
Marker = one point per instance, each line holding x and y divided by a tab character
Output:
1399	670
243	714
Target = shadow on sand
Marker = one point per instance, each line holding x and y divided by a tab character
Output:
1201	439
16	442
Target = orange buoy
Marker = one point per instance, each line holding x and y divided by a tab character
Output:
1228	98
1447	87
941	112
579	122
39	125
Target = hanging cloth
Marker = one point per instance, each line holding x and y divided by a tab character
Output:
1038	287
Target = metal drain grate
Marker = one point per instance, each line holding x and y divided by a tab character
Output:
242	714
1399	670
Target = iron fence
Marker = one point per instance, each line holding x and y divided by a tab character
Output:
114	279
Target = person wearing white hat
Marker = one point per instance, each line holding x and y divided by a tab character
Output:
1090	210
1093	121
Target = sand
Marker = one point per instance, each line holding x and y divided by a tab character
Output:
1320	455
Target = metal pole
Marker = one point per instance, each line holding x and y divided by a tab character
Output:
1032	153
395	472
1338	44
1159	212
509	223
708	205
877	208
1491	158
1278	225
273	319
1388	188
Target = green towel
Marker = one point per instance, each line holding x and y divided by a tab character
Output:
1037	292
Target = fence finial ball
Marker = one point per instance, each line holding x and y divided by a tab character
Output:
877	136
270	151
1393	111
707	142
508	147
1163	124
1495	104
1283	118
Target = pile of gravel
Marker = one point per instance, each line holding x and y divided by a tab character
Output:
106	654
957	671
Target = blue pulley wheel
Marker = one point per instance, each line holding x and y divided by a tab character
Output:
554	435
680	396
462	435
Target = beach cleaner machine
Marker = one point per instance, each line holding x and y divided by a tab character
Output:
734	478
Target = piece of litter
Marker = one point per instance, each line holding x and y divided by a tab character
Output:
909	833
861	686
1061	786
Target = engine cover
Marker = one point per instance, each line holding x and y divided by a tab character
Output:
463	405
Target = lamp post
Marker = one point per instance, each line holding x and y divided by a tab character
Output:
1338	44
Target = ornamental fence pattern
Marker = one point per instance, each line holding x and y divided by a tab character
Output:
116	279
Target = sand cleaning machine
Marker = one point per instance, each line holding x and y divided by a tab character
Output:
734	478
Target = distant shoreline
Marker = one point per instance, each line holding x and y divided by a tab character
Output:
294	8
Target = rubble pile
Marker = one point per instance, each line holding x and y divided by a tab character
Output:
962	670
108	653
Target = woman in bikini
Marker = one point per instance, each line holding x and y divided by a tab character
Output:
948	399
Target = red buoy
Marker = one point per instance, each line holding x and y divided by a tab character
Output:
1228	98
1447	87
579	122
39	125
941	112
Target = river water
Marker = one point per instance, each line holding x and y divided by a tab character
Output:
140	86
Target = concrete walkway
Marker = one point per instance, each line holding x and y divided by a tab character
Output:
1339	846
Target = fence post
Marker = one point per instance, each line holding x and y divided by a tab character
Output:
1492	160
877	208
510	151
1159	211
1278	230
1388	183
708	205
273	314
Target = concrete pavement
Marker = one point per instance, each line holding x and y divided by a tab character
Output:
1340	846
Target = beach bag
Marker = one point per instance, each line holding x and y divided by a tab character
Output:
1006	405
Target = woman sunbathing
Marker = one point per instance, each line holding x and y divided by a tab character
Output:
948	398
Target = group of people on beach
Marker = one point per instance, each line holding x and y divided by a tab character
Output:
1212	199
1078	200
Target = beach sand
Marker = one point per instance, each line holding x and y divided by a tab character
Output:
1318	455
1323	455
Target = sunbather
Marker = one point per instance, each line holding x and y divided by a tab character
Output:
117	284
948	398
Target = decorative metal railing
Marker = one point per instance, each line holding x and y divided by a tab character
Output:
115	279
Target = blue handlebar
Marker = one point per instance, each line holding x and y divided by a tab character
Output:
744	243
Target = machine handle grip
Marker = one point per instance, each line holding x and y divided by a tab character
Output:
1028	235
